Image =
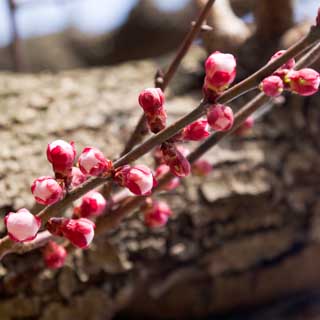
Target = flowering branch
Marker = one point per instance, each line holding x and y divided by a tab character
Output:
163	81
6	245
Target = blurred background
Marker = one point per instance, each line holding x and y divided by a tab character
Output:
63	34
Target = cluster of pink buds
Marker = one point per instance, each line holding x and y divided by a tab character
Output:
161	171
220	71
92	204
79	232
201	168
156	213
54	255
22	225
175	159
151	101
304	82
138	179
220	117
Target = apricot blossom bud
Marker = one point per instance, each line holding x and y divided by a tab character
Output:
220	117
161	171
79	232
92	204
196	131
177	162
61	155
304	82
220	71
157	120
138	179
245	127
151	99
92	162
272	86
288	65
22	225
201	168
77	177
54	255
157	214
46	190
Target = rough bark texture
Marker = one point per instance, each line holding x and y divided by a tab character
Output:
246	235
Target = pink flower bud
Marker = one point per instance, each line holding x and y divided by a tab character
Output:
92	162
201	168
22	225
138	179
304	82
272	86
196	131
157	120
178	163
61	155
77	177
245	127
157	214
220	71
161	171
92	204
318	18
288	65
151	99
54	255
220	117
79	232
46	190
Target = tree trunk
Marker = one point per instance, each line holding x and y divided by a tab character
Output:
244	236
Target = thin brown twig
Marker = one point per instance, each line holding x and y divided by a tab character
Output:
162	81
15	46
6	245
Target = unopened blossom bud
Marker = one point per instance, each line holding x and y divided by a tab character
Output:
157	155
138	179
177	162
220	71
61	155
157	120
201	168
151	99
92	162
92	205
245	127
79	232
318	18
196	131
220	117
77	177
54	255
46	190
161	171
304	82
288	65
272	86
157	214
22	225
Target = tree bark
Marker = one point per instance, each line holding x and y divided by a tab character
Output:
244	236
